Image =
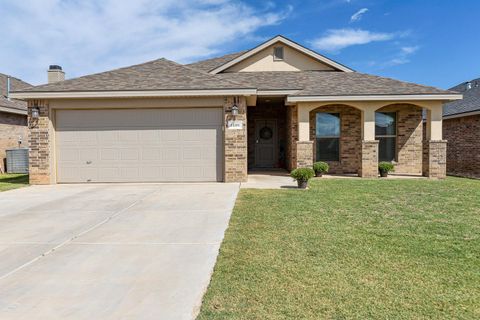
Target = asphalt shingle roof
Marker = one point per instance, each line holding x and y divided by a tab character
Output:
210	64
15	84
161	74
470	101
328	83
164	74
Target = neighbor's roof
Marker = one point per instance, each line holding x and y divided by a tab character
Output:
470	101
12	105
329	83
161	74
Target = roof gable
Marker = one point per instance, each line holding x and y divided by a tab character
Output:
304	59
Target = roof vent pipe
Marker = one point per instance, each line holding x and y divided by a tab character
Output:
469	85
8	87
55	74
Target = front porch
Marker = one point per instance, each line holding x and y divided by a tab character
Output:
286	136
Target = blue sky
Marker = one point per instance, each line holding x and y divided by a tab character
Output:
430	42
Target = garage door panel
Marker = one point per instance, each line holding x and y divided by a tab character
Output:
139	145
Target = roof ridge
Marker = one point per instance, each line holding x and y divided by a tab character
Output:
213	76
99	73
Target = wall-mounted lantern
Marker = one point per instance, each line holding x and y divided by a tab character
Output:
234	108
35	112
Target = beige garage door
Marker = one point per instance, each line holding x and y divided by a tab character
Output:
139	145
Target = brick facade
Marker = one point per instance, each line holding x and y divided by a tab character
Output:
12	128
369	164
304	154
350	138
463	145
236	152
435	158
409	137
292	137
40	144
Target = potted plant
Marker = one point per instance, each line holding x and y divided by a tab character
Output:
302	175
320	168
384	168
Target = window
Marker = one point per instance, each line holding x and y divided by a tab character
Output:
278	53
386	133
327	136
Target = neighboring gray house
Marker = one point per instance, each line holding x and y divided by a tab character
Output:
461	128
13	117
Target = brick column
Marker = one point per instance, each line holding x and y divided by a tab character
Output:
236	156
304	154
435	158
369	164
39	140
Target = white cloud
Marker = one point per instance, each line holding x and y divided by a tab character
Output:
358	15
337	39
90	35
409	50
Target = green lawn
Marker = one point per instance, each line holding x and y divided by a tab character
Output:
351	249
12	181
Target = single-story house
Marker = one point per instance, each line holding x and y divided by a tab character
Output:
13	117
278	105
461	128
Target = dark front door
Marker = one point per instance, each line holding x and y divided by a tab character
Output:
266	143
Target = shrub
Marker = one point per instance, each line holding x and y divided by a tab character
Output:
321	167
385	167
302	174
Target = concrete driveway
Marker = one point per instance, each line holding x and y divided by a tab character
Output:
129	251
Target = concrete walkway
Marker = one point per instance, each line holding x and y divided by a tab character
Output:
114	251
280	179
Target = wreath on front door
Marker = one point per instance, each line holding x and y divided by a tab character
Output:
266	133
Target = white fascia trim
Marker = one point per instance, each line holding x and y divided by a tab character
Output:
285	41
129	94
461	115
443	97
276	92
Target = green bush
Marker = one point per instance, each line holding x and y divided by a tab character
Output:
302	174
386	167
321	167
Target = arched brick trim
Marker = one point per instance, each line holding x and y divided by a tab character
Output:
350	137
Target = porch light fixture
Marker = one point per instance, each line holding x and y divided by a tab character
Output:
234	107
234	110
35	112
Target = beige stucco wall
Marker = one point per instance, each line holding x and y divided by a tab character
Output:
293	61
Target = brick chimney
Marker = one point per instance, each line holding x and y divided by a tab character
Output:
55	74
